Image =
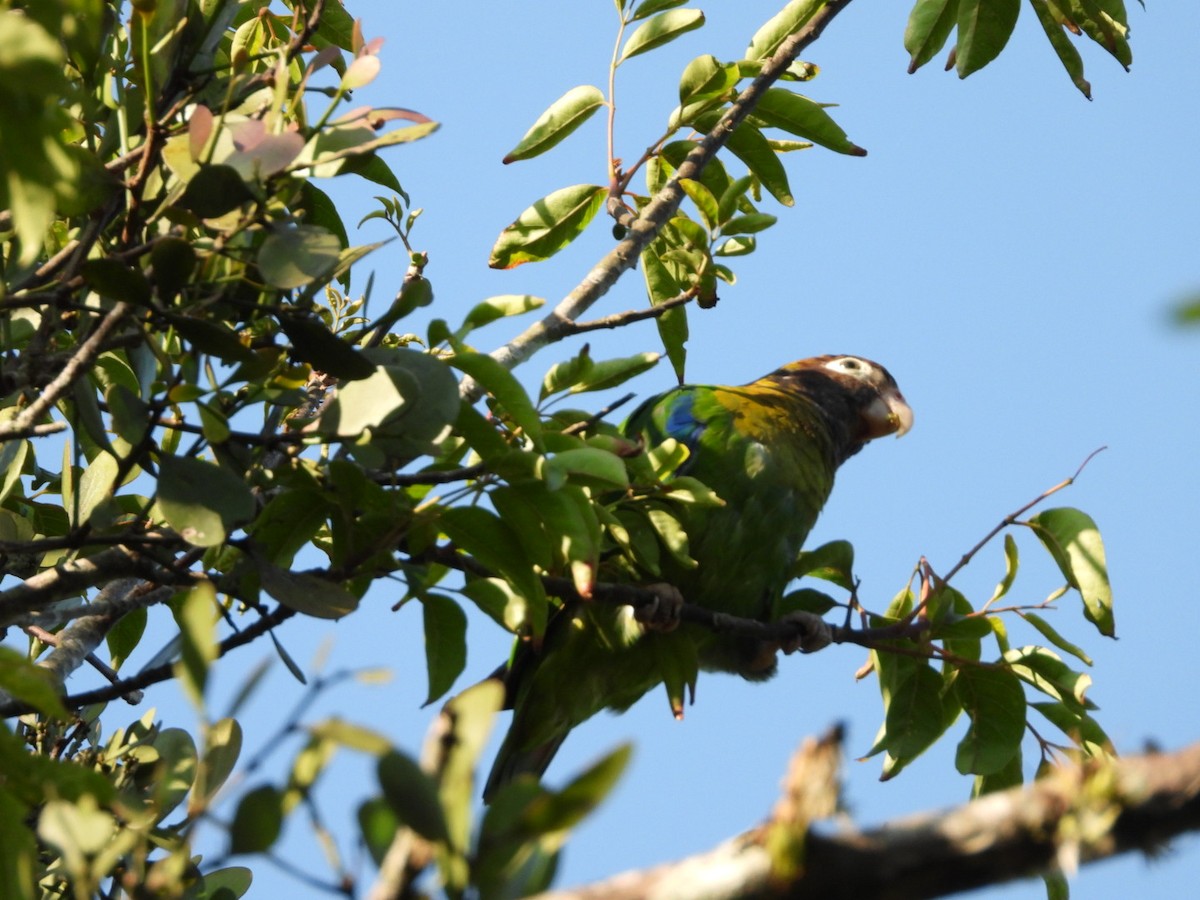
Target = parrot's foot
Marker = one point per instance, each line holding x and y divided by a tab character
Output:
810	633
665	612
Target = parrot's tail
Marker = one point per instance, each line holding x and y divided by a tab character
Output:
511	762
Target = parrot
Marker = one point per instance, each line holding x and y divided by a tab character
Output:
769	449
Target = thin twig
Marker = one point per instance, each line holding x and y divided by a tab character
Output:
619	320
166	671
74	368
1012	517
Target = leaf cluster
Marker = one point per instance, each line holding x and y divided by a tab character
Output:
201	427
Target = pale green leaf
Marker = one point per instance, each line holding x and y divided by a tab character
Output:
661	29
547	226
563	116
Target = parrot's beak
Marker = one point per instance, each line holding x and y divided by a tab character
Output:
888	414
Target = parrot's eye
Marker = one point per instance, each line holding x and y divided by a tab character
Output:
849	364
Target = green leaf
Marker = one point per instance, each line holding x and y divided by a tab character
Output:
1047	631
96	484
1074	541
29	683
445	644
257	822
661	29
780	27
833	562
705	202
1063	46
200	500
229	883
494	308
661	286
581	374
705	76
564	115
1045	671
1011	775
214	191
122	639
1011	561
748	144
995	702
476	531
805	600
412	795
915	714
547	226
287	523
196	617
223	745
403	409
307	593
504	386
1075	724
116	280
296	256
378	825
650	7
984	27
213	338
780	108
472	714
316	345
751	223
929	25
604	469
79	832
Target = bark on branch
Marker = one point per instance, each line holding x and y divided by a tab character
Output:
1076	815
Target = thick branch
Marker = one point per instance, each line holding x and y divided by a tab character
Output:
69	579
1077	814
661	208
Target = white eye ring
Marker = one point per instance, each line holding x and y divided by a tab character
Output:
849	364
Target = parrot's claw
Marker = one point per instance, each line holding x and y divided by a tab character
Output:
665	612
810	633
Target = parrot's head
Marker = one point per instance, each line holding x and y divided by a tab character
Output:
858	398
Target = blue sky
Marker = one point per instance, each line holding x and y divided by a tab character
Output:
1009	250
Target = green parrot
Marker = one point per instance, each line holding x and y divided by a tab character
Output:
769	449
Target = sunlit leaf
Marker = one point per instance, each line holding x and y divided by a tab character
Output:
563	116
805	118
1063	46
929	25
1074	541
780	27
547	226
661	29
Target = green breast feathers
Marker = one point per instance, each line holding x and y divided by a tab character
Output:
770	450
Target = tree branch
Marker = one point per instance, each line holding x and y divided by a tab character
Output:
1078	814
76	366
646	226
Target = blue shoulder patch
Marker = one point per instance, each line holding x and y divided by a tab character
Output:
682	423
